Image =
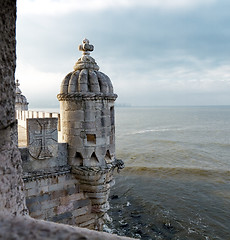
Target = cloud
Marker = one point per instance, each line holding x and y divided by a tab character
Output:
133	33
153	57
40	88
53	7
174	85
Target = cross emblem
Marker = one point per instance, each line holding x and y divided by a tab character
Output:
85	47
42	137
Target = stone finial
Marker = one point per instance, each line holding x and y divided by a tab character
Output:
86	47
86	61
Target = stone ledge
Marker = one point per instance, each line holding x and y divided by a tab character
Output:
31	176
23	228
86	96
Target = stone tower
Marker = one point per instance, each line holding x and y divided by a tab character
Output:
87	125
20	100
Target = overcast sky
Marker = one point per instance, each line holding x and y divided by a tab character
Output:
156	52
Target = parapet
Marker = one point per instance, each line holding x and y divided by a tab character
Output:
28	228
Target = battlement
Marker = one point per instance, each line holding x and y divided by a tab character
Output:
23	115
24	118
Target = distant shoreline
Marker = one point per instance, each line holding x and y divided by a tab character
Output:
55	109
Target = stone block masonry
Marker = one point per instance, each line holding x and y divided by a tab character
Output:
52	192
57	197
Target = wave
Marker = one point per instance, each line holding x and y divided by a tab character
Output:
222	145
180	172
157	130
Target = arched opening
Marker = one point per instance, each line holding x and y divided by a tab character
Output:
94	160
79	159
108	158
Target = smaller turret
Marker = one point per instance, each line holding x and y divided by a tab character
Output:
20	100
88	127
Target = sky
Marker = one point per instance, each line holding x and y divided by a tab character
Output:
156	52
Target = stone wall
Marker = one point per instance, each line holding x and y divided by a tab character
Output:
11	184
52	192
57	197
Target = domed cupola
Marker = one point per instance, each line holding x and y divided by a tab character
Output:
87	112
86	79
20	100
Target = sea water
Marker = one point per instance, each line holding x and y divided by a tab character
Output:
176	180
176	183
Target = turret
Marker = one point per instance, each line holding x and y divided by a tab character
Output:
87	125
20	100
87	113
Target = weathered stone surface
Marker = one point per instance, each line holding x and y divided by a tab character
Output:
24	228
7	62
11	184
31	164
